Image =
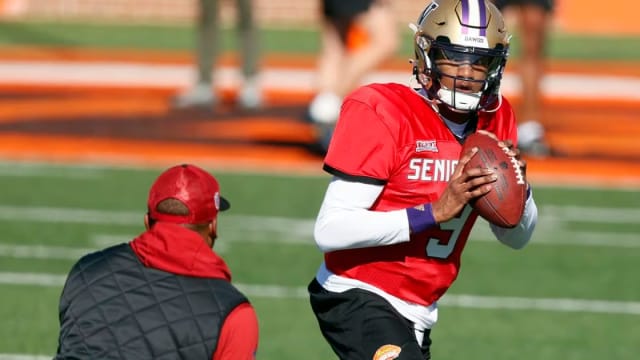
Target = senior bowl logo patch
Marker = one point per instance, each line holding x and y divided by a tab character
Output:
387	352
426	145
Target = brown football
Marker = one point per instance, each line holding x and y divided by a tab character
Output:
504	204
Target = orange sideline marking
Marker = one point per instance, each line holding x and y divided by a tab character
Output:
576	127
307	61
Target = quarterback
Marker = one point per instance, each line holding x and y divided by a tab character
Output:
396	216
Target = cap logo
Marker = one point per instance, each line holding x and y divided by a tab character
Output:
216	200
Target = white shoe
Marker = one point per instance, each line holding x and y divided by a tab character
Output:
530	131
250	96
201	95
531	139
325	108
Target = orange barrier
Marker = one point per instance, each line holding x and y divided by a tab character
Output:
574	16
597	17
595	141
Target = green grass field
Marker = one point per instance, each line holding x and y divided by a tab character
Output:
571	294
272	40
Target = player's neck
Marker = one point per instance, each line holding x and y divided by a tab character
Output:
460	124
455	116
459	130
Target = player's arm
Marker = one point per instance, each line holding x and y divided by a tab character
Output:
239	335
361	158
345	221
520	235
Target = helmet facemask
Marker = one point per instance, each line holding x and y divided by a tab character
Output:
434	50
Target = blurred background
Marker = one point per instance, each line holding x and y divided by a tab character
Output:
88	119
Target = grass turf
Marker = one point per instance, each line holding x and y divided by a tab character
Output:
266	239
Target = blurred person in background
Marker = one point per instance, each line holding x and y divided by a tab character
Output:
396	215
208	37
532	18
165	295
356	37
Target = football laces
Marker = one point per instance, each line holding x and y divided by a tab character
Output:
516	167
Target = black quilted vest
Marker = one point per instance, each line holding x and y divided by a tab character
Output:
113	307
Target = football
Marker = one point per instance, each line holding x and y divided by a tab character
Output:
504	204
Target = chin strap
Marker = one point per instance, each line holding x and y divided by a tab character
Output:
459	101
498	104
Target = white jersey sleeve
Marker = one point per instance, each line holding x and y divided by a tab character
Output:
345	221
520	235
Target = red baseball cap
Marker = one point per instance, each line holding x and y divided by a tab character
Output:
194	187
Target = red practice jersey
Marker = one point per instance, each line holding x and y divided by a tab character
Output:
389	135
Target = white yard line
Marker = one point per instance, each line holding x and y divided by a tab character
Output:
551	230
81	215
70	215
30	170
542	304
24	357
593	214
237	234
585	86
454	300
96	170
42	252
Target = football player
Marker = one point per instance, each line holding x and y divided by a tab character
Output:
396	215
356	36
533	18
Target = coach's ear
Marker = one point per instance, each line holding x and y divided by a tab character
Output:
147	223
213	233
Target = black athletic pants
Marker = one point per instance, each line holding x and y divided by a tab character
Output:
358	324
547	5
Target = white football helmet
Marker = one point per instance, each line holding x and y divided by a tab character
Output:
464	31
